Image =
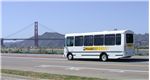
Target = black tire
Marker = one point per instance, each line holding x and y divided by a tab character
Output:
104	57
70	56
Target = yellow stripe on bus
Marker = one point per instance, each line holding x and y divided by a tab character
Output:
95	48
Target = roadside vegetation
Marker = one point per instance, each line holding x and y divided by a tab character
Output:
47	76
33	50
142	51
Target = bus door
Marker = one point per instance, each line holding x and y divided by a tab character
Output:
129	47
69	44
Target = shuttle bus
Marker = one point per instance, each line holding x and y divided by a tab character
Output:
99	45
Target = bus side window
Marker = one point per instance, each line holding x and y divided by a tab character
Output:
88	40
78	40
118	39
70	41
98	40
110	39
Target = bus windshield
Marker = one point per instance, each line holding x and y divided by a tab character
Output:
129	38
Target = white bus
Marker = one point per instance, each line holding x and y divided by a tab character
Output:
99	45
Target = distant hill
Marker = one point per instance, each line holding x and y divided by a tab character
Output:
42	43
140	40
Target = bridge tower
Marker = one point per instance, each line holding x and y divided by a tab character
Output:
36	34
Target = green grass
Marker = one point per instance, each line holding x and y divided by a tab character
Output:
48	76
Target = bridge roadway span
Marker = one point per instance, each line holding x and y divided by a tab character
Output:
135	68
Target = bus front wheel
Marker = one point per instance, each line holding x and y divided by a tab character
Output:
70	56
104	57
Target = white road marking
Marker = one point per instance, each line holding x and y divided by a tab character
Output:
73	68
46	66
67	67
83	68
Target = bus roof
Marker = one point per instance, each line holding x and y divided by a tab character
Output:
102	32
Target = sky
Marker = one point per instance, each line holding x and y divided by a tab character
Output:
73	17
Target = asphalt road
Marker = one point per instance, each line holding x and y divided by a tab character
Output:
135	68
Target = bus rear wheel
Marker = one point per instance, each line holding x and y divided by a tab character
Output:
70	56
104	57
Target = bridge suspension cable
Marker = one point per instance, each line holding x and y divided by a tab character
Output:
22	29
45	27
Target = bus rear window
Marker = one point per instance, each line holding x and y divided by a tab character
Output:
129	38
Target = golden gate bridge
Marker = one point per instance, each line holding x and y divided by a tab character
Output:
35	38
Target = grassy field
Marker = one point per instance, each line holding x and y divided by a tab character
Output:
47	76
